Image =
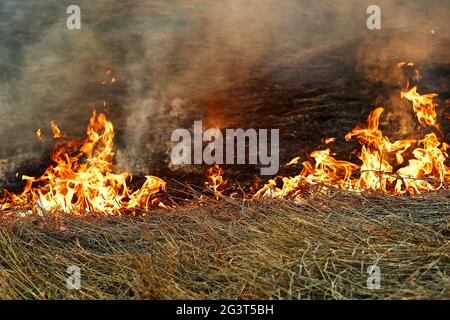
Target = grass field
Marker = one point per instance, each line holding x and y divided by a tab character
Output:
230	249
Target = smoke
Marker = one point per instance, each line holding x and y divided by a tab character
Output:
165	52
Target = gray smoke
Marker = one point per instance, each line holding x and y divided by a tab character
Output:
164	51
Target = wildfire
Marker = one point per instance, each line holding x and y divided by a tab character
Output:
411	166
83	179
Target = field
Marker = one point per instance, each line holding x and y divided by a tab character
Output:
230	249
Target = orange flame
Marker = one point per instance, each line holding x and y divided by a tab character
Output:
399	167
39	135
215	180
328	140
57	133
83	181
423	105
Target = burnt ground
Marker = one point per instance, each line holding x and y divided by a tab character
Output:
307	100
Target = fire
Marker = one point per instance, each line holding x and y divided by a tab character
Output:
293	161
328	140
83	179
214	179
423	105
39	136
57	133
410	166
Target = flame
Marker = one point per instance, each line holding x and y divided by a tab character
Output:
408	166
402	64
215	181
424	106
39	136
328	140
293	161
83	181
57	133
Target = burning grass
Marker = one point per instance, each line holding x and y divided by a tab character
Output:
84	180
405	166
319	248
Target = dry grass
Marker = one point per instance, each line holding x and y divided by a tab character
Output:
319	249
